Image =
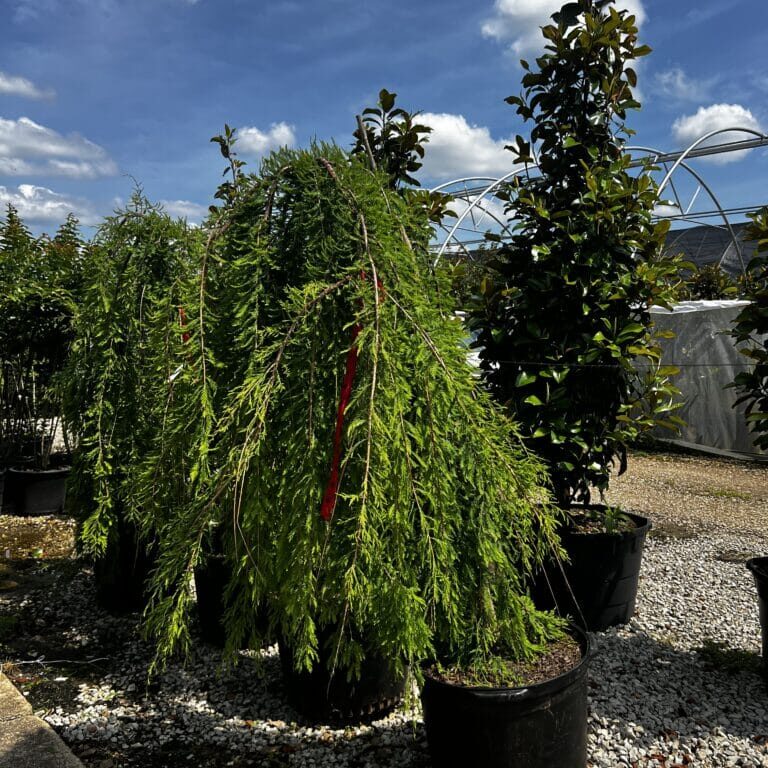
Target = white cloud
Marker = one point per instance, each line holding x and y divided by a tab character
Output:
518	22
487	214
458	149
665	210
20	86
40	205
251	140
185	209
677	85
30	149
688	128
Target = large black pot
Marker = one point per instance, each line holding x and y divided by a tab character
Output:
121	575
759	568
29	492
211	580
598	587
325	698
541	726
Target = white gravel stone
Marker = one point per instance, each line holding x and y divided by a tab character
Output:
657	700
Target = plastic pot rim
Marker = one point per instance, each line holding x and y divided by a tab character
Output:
543	687
643	524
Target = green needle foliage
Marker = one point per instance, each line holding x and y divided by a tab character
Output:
440	512
39	285
751	331
564	323
128	317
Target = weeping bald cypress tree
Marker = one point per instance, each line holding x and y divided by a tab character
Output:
127	320
366	488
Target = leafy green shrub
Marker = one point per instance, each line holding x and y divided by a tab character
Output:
364	485
751	331
706	283
564	324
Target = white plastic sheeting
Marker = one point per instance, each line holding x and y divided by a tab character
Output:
708	360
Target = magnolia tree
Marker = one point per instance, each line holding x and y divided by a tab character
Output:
563	321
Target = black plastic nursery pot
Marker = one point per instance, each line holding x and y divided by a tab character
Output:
598	587
121	575
321	697
759	568
29	492
540	726
211	580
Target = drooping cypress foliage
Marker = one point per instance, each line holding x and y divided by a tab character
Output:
131	270
366	487
564	323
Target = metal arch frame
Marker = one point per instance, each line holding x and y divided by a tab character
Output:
495	183
680	163
695	149
685	153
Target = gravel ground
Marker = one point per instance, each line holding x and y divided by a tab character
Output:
679	686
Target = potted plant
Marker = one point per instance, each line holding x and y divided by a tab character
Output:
563	323
38	285
751	331
114	372
365	487
393	141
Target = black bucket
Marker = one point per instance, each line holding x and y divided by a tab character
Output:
602	577
30	492
211	580
121	575
541	726
324	698
759	568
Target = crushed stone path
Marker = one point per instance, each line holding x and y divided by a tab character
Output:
694	493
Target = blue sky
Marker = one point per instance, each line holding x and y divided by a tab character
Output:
95	93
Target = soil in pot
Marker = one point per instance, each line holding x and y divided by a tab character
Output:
598	587
29	492
322	697
539	723
121	575
759	568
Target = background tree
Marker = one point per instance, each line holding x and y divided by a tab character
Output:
131	269
39	285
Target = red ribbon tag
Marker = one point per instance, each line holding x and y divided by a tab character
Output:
183	324
332	489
